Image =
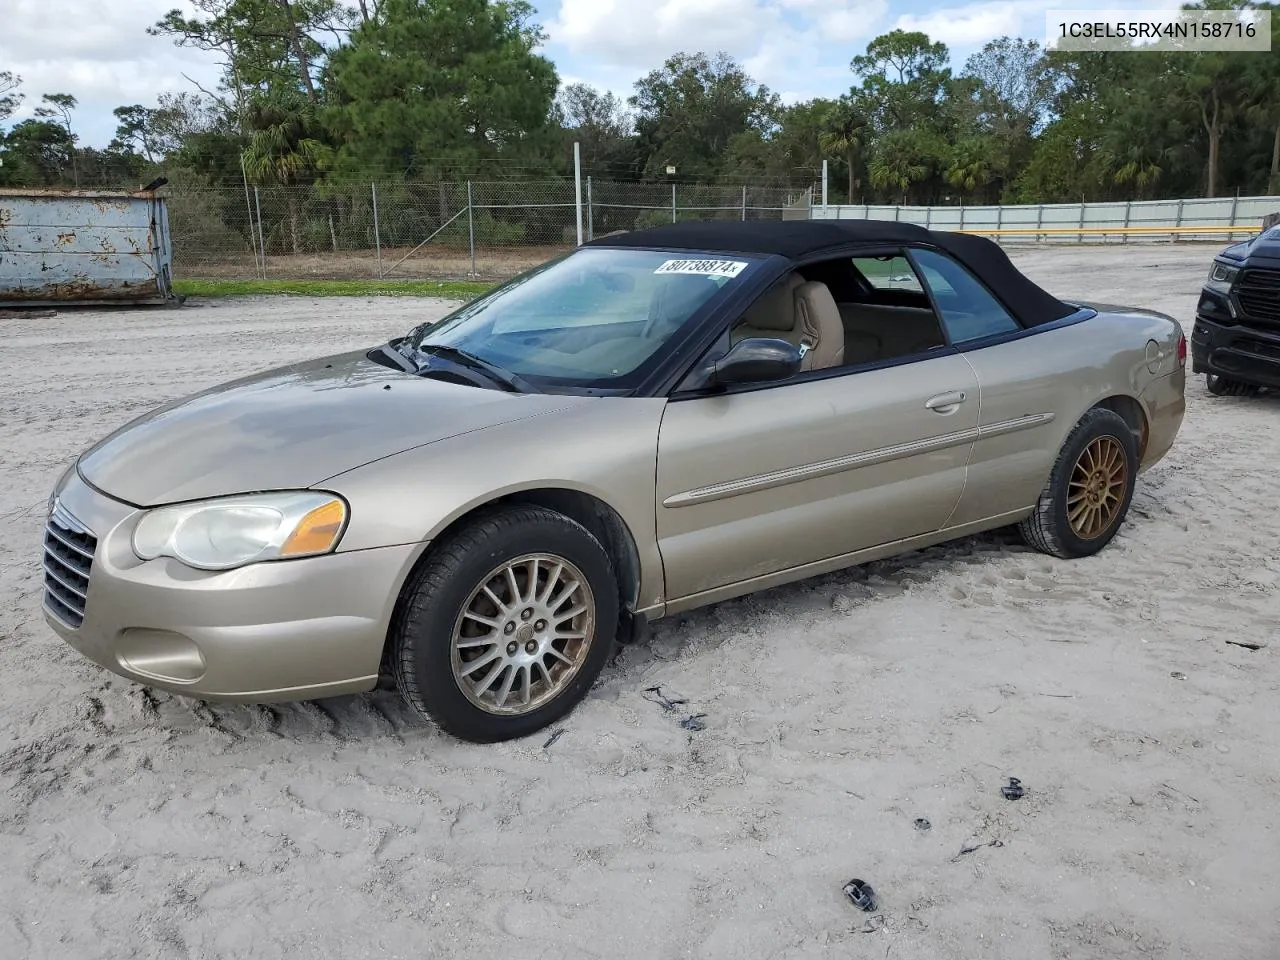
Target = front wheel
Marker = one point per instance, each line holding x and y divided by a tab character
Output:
1089	489
507	624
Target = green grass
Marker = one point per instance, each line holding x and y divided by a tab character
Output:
449	289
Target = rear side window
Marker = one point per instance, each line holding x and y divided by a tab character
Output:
968	311
887	273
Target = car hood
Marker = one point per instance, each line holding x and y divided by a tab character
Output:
1265	245
292	427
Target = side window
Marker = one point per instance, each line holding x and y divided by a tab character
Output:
968	310
894	322
888	273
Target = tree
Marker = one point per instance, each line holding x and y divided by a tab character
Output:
177	117
265	46
429	84
286	148
846	135
134	131
790	152
38	153
598	120
1262	86
904	159
1016	86
156	132
593	113
689	111
796	147
57	107
11	95
972	164
1064	164
1211	81
1013	89
904	77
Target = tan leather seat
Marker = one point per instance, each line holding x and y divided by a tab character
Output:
898	331
773	314
818	317
802	313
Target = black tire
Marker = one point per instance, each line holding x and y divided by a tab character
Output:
434	598
1049	528
1221	386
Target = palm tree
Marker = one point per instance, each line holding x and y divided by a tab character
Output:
1140	171
971	166
846	135
903	158
285	149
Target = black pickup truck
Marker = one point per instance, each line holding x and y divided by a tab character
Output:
1236	339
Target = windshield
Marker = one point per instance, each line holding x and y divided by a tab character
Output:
597	318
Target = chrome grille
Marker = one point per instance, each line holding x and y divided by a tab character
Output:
68	562
1259	294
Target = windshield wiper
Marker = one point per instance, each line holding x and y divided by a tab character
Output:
506	378
395	356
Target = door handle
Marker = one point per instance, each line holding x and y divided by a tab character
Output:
946	402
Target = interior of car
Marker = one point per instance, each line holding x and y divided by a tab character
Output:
847	312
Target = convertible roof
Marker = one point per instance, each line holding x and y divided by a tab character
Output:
797	239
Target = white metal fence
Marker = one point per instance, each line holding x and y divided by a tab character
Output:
1221	218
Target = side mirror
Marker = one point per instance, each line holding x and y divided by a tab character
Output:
757	360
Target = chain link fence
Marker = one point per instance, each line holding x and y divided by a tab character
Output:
397	230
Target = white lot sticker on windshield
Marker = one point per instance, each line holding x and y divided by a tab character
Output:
704	268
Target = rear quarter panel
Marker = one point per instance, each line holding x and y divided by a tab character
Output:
1063	370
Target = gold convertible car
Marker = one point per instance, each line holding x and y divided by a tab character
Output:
656	421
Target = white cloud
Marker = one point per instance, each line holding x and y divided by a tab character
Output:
98	51
843	22
786	44
641	35
972	25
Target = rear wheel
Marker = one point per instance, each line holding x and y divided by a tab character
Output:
1089	489
1221	386
506	626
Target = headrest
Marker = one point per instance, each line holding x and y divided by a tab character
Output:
816	297
775	310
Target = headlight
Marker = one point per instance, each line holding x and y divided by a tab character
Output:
1221	273
234	531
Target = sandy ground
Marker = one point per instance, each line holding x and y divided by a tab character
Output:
837	712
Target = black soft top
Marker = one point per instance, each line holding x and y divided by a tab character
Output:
800	239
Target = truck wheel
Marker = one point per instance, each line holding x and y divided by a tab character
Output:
507	624
1221	386
1089	489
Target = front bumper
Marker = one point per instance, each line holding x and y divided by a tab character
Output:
1238	352
288	630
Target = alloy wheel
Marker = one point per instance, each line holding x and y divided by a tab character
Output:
523	634
1097	487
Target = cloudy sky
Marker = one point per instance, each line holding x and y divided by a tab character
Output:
99	50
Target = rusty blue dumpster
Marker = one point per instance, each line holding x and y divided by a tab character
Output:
84	247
